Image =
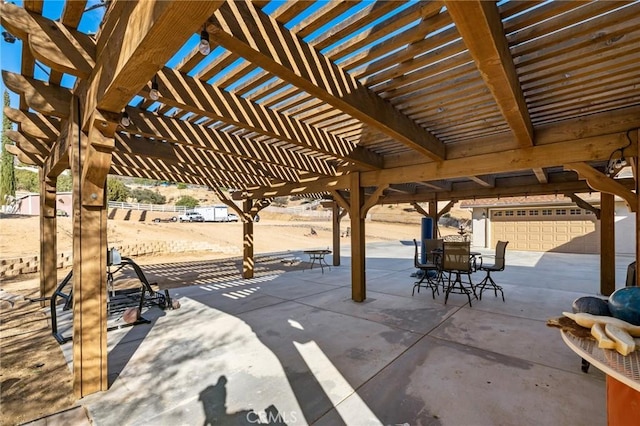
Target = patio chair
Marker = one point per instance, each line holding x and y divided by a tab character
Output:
426	269
498	265
456	261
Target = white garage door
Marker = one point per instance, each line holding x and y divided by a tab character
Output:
564	230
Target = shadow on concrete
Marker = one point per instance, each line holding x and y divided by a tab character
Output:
214	404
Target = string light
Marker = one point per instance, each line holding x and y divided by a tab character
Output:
204	47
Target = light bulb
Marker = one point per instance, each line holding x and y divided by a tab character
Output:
125	121
204	47
154	93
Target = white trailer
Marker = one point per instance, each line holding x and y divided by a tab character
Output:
214	213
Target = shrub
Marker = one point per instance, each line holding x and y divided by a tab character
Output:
182	185
280	201
187	201
116	190
148	196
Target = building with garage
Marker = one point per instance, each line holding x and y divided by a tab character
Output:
548	223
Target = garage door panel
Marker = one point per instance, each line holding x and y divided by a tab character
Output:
568	236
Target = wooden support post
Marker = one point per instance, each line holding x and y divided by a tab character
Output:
335	216
358	280
433	213
89	266
48	240
607	244
247	230
636	169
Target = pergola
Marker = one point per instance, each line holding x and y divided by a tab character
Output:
361	103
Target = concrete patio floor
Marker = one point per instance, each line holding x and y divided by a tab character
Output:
294	349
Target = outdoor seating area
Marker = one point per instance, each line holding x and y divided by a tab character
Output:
285	348
354	105
450	265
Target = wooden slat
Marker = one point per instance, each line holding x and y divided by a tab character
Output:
61	48
190	94
72	13
481	29
231	31
160	29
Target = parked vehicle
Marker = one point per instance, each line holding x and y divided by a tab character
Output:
214	213
162	219
232	217
191	217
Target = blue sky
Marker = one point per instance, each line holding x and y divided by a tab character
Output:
11	53
11	56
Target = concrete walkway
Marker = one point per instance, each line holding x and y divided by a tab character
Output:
292	348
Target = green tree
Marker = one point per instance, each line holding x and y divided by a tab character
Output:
116	190
148	196
7	169
26	180
64	183
187	201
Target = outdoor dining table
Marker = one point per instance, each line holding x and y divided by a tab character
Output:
319	257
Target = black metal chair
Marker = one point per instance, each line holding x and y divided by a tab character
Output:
498	266
456	260
427	268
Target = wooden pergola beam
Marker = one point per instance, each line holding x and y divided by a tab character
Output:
34	124
486	182
500	191
25	157
44	98
480	26
52	43
588	149
132	52
163	165
188	134
124	170
600	182
190	94
372	200
540	174
282	53
583	204
28	143
179	154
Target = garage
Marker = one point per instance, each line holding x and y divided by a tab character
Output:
564	230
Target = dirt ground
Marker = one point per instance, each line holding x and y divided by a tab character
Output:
34	378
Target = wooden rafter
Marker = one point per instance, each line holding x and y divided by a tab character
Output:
234	27
587	149
583	204
52	43
485	181
182	132
130	55
480	26
540	174
181	91
600	182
